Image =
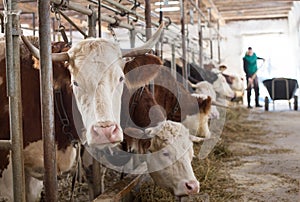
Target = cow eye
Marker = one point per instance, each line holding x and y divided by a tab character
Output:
121	79
75	83
166	153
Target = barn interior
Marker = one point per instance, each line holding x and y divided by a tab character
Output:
216	32
225	28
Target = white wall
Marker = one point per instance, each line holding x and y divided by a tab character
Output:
264	36
294	30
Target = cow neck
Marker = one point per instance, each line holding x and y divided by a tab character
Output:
135	101
63	116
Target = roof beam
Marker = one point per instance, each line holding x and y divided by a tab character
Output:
214	11
256	17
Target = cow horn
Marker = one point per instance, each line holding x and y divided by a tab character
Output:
146	47
56	57
192	85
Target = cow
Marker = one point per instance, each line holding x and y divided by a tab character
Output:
178	103
171	143
237	85
142	116
198	74
206	88
94	76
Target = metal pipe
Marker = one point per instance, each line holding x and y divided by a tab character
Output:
183	41
202	14
75	7
132	34
99	18
73	24
92	23
2	23
148	19
173	62
33	23
53	28
46	82
12	31
219	48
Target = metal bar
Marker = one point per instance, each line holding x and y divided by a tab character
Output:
132	38
148	19
2	23
46	82
73	24
33	23
99	18
183	38
75	7
219	48
92	24
12	31
53	28
173	62
202	14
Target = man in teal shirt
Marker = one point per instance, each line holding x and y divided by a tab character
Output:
250	68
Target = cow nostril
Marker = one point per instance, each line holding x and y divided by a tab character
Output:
188	186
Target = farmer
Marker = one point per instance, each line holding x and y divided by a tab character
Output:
250	68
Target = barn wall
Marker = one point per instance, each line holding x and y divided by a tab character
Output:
234	46
294	30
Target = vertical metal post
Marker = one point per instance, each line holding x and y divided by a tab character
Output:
210	34
200	42
148	19
33	23
46	83
149	32
132	34
12	32
53	29
183	37
99	19
71	33
96	165
92	24
173	62
219	48
2	23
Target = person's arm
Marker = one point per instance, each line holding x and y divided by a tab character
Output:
259	58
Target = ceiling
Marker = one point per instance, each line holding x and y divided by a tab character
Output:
221	11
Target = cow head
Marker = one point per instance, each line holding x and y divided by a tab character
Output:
221	86
170	165
97	78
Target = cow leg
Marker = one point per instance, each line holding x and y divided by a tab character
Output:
33	188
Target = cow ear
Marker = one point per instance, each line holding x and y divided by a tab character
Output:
141	75
146	144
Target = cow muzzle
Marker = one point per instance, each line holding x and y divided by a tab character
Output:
188	188
103	133
192	187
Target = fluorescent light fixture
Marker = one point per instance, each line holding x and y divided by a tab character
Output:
166	3
168	9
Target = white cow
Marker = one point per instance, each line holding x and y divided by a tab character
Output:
169	163
206	88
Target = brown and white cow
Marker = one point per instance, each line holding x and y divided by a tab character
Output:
141	112
95	72
178	104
